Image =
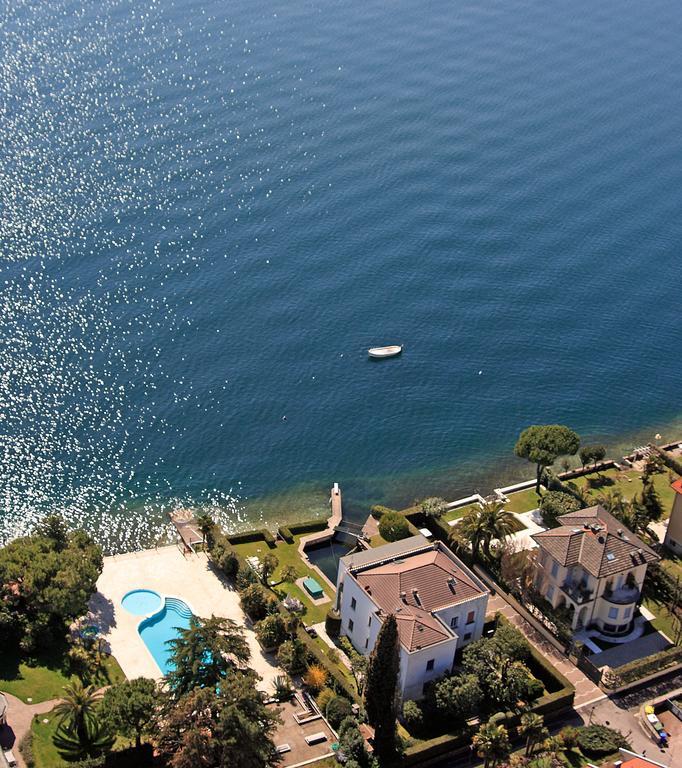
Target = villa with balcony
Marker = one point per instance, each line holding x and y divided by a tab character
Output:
594	567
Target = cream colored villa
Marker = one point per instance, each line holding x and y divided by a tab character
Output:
595	567
673	535
439	605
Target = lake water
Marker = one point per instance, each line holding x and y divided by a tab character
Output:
208	212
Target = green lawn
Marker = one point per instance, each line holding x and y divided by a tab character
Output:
523	501
287	554
44	751
628	484
519	502
455	514
46	678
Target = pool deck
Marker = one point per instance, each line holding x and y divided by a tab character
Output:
168	572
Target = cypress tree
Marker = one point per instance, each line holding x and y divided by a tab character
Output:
381	687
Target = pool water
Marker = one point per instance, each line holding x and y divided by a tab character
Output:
141	602
163	626
326	556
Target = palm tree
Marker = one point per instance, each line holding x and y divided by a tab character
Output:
613	502
470	529
77	708
492	744
288	574
496	521
533	728
634	516
80	733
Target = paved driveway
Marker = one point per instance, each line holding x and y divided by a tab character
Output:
19	719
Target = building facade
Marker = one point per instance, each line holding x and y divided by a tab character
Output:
673	534
595	568
439	605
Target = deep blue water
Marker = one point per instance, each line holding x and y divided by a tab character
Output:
208	211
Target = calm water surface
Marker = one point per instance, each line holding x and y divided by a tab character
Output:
208	211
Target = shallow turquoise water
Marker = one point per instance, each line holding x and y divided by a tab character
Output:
141	602
211	210
158	630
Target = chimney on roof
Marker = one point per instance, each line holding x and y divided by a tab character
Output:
415	595
452	583
620	532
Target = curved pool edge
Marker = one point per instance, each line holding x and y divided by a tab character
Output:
138	590
147	620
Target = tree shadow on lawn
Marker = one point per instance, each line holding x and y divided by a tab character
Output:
53	658
599	481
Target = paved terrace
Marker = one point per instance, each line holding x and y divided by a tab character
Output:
168	572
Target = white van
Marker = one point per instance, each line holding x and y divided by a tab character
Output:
11	760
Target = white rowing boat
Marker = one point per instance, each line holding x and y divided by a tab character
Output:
390	351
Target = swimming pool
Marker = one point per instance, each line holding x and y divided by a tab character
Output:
163	626
141	602
326	555
168	616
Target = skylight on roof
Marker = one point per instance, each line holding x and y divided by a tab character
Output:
610	556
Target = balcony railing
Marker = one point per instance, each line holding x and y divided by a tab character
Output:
622	596
578	592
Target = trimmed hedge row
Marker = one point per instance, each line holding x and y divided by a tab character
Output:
287	532
455	744
640	668
261	534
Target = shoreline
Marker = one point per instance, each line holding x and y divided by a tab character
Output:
147	525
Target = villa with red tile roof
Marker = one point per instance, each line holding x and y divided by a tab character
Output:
595	567
439	605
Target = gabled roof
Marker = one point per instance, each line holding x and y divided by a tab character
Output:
596	540
412	583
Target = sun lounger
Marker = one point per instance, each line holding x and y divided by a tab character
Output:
282	748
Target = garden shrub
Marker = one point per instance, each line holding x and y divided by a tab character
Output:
246	576
598	740
378	511
393	526
292	656
316	677
413	716
337	710
224	556
272	631
557	503
257	602
324	697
